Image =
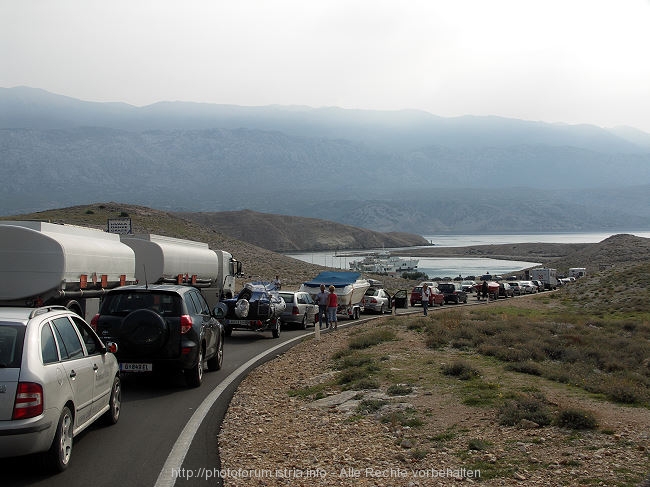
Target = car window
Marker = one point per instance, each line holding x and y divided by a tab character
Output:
67	339
93	345
199	303
287	297
301	299
11	345
191	306
49	353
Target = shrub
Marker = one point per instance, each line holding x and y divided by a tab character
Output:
529	407
460	369
371	405
375	337
576	419
528	367
478	444
365	384
399	390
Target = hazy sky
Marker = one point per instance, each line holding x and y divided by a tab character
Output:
573	61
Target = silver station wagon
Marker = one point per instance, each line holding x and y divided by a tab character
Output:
56	378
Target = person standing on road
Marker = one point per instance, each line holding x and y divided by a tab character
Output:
484	289
321	301
277	283
332	305
426	295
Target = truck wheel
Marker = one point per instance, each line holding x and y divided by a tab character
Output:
194	376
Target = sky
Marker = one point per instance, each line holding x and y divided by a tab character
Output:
558	61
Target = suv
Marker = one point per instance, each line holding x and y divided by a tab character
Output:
162	327
56	379
452	292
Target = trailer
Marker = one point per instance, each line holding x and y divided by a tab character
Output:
349	289
160	259
46	264
577	272
545	274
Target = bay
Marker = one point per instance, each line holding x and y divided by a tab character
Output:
466	266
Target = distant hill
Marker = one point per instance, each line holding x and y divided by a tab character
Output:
404	171
283	233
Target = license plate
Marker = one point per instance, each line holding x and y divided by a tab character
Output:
129	367
237	322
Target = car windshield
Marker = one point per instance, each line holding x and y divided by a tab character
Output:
372	292
449	288
123	303
11	345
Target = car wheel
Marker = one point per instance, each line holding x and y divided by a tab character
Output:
58	456
227	331
194	376
114	403
276	329
382	310
303	325
216	362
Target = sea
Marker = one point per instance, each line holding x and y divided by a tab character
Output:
464	266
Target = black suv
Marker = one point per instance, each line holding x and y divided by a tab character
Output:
161	327
453	292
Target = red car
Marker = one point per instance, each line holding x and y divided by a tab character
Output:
436	296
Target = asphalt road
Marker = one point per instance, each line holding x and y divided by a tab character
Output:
132	453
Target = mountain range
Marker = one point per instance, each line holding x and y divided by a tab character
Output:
403	171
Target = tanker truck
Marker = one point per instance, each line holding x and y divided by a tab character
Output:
46	263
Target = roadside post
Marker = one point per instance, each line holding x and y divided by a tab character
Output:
317	329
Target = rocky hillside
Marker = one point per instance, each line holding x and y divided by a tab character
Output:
282	233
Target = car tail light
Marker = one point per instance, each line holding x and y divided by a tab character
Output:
295	311
94	321
29	400
186	323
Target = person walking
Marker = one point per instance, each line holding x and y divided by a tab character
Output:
426	295
332	305
321	301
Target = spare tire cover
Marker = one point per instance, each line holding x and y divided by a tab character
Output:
241	308
144	330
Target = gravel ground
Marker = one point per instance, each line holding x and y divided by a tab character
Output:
270	437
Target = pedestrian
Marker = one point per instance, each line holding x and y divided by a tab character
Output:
484	289
277	283
332	305
321	301
426	295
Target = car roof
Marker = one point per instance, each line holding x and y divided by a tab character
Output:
154	287
23	315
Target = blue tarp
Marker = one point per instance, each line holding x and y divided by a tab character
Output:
336	279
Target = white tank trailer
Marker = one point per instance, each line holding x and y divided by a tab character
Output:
45	263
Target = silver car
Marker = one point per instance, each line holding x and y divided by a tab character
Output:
377	300
300	309
56	379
